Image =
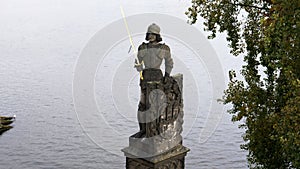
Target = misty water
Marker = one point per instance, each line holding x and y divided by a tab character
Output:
40	45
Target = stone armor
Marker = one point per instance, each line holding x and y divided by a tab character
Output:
152	56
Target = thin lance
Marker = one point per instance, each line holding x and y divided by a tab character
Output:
131	42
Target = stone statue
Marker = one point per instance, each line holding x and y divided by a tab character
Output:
150	56
160	110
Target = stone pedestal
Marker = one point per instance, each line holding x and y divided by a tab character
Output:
173	159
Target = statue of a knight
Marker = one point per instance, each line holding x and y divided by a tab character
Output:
150	56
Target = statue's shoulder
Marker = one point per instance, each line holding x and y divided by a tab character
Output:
142	46
164	47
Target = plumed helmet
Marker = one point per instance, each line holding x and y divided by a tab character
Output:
153	28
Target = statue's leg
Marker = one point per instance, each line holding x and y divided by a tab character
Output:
141	117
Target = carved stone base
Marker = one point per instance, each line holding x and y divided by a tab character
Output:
149	147
173	159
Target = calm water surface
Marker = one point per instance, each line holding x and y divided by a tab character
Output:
40	42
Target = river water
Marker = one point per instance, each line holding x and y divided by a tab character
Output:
40	43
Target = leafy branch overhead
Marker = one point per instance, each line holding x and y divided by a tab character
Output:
266	34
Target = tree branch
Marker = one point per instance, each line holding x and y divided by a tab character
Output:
251	6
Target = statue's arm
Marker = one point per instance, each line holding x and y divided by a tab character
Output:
168	59
140	54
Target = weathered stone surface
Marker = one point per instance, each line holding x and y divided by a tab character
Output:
159	146
173	159
149	147
163	105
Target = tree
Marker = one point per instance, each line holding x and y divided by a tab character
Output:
267	99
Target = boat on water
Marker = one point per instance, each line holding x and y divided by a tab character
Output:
7	118
5	123
4	128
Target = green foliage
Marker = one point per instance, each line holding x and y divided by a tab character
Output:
267	100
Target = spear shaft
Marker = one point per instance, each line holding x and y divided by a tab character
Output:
131	41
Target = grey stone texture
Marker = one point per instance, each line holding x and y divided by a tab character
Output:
159	142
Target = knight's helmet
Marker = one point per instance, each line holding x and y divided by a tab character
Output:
153	28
